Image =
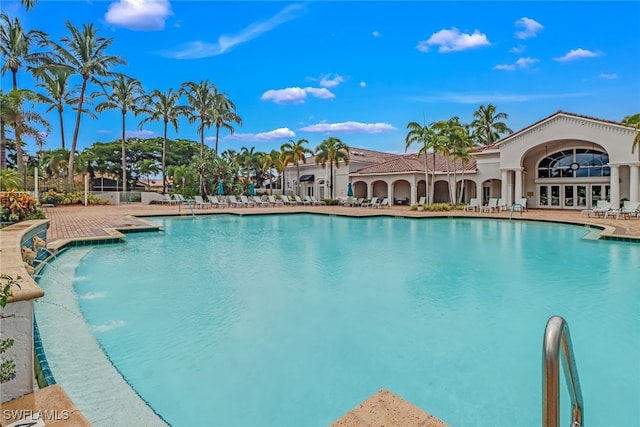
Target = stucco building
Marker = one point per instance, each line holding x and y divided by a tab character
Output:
564	161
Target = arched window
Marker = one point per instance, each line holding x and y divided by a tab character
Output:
574	163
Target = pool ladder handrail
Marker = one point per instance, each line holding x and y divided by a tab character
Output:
557	338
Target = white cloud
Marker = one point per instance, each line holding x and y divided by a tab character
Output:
139	15
606	76
363	84
350	127
480	98
295	95
578	53
139	133
328	81
520	63
530	28
201	49
105	131
505	67
453	40
517	49
376	34
280	133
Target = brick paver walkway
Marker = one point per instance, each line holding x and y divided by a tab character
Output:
80	221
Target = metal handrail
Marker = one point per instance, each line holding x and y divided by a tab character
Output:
556	338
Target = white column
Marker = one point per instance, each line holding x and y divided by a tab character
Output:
518	185
504	185
634	183
390	193
414	192
369	190
615	185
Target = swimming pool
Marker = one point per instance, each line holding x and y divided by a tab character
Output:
295	319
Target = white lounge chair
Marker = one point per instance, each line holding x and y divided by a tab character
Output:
319	202
501	205
235	202
167	200
382	203
491	206
274	202
247	202
200	203
422	201
259	202
473	205
218	203
287	201
629	209
520	205
373	201
300	201
602	207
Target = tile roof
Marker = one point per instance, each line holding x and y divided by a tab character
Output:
363	155
415	163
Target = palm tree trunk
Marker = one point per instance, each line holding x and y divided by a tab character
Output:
61	126
76	131
164	159
217	135
124	156
426	178
200	171
331	178
298	178
3	146
433	178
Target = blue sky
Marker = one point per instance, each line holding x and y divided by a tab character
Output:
358	70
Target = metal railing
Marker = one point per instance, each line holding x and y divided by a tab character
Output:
556	338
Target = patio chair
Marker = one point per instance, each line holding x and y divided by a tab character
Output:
381	203
520	205
629	209
370	203
287	201
602	207
274	202
235	202
259	202
422	201
218	203
167	200
300	201
200	203
247	202
319	202
501	205
491	206
473	205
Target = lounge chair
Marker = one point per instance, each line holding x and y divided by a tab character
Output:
602	207
218	203
300	201
247	202
501	205
287	201
629	209
167	200
422	201
491	206
319	202
235	202
373	201
259	202
200	203
520	205
273	201
381	203
473	205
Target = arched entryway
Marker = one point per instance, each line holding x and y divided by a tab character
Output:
401	192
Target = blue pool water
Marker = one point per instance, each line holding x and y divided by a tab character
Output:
294	320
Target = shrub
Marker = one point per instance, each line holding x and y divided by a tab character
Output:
77	198
437	207
16	207
332	202
414	207
51	197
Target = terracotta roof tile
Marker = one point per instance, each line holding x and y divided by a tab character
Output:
415	163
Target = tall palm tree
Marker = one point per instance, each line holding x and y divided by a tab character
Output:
201	99
461	150
55	82
448	132
28	4
83	52
222	114
125	94
486	125
163	106
250	161
633	120
294	152
279	165
331	151
16	47
425	136
267	162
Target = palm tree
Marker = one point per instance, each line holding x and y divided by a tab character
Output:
294	152
633	120
250	161
126	95
279	164
331	150
222	114
448	132
201	99
486	125
10	180
16	50
267	162
84	54
461	150
55	82
28	4
163	106
426	137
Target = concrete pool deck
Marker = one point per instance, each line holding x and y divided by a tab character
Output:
82	222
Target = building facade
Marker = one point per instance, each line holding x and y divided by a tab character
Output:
564	161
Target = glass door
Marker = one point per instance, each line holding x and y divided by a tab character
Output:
555	196
581	200
543	200
569	196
